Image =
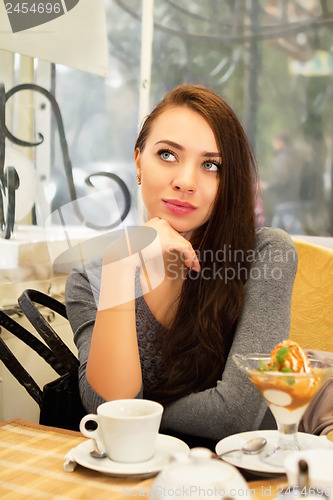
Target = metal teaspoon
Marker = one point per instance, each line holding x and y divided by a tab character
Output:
251	447
96	453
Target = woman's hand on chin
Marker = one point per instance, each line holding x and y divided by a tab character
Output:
172	241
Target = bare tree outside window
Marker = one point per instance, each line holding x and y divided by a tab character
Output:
272	60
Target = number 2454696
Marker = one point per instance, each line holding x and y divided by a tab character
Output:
35	8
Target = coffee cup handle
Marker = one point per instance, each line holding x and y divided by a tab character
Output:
92	433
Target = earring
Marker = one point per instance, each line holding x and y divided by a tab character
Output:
138	178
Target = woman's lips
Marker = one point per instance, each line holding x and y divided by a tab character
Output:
179	207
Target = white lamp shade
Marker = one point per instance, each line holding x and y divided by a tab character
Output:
76	38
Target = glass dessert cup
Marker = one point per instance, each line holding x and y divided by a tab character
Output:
287	395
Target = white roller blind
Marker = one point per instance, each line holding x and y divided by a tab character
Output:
76	38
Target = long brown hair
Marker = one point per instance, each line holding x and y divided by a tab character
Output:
197	345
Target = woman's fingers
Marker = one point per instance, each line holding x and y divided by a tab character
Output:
171	241
190	257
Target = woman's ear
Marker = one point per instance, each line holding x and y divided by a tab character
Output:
136	156
137	165
137	161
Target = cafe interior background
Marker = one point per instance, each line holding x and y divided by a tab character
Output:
74	91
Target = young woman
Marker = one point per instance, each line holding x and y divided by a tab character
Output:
227	285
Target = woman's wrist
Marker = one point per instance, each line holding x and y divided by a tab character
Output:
118	282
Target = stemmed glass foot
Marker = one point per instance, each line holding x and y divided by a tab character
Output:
275	454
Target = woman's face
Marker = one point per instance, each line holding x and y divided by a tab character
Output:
179	169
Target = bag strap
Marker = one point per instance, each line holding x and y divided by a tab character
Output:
45	300
30	340
26	301
20	373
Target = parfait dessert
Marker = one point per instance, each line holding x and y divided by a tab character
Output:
287	396
288	379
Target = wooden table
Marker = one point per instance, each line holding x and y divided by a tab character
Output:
31	466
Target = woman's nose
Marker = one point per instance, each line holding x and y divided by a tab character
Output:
185	179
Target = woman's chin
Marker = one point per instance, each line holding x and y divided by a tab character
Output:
182	229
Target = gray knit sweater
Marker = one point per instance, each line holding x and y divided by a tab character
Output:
234	404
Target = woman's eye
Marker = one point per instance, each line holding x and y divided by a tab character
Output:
211	166
166	155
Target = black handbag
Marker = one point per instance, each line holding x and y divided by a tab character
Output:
59	401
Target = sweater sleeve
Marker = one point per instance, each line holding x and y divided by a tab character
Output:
82	293
234	404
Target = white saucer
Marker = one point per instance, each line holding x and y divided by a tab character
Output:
165	447
254	462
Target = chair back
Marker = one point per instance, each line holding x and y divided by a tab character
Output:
312	299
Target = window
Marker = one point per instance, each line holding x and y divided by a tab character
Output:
270	59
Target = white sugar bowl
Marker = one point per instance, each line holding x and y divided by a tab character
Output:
198	476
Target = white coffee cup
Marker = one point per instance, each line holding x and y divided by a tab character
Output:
126	429
320	467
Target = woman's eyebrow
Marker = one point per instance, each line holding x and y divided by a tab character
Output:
205	154
171	143
209	155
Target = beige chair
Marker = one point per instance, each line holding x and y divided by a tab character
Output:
312	324
312	300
